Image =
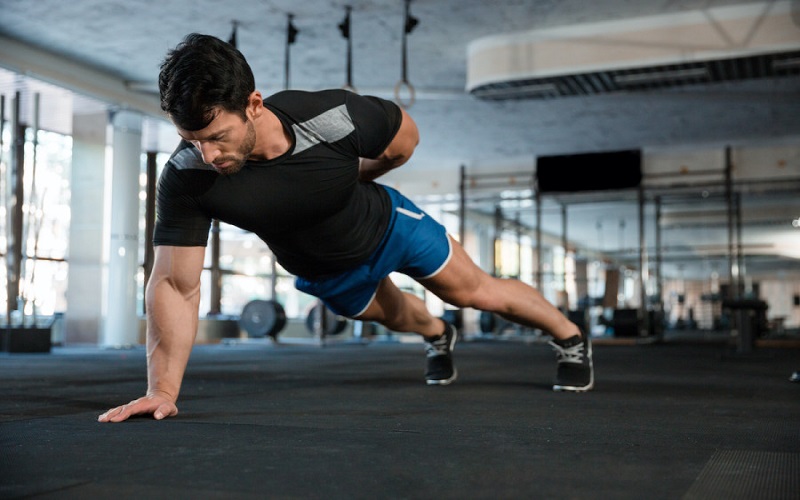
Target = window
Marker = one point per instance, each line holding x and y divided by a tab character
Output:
46	220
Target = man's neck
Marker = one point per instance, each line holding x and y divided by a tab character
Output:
272	139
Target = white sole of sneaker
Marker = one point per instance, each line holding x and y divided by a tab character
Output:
570	388
445	381
559	388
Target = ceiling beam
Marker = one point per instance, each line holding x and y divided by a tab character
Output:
77	77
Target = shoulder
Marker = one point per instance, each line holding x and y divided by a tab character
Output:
304	104
185	172
187	157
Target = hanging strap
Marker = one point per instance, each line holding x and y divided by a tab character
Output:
291	36
408	26
344	27
232	40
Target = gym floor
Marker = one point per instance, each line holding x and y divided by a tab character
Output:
356	421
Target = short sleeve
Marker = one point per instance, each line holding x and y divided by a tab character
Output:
180	220
376	123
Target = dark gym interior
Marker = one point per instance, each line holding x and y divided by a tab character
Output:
636	162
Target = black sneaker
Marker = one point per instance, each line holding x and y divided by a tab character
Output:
440	369
575	371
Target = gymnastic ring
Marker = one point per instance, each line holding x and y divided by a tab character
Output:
411	91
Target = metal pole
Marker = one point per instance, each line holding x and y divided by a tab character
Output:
732	259
643	309
743	283
498	229
462	206
538	240
658	291
149	219
519	245
216	272
564	244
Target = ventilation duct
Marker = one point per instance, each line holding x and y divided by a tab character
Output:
757	40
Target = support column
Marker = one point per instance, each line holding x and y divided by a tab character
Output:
121	322
87	207
15	200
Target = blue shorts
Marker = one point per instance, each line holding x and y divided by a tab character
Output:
414	244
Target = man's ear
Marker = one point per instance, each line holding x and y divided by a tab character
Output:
255	104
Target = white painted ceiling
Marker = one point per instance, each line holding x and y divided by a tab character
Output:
127	39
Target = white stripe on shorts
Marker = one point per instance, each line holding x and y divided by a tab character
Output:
410	213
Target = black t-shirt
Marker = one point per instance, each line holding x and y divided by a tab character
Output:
308	204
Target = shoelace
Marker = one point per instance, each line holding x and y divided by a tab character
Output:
438	347
572	354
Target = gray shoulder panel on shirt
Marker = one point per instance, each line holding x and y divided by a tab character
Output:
330	126
189	158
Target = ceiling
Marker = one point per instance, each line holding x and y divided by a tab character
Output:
127	39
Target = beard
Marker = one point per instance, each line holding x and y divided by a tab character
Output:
238	159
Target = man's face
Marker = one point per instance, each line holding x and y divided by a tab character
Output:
225	143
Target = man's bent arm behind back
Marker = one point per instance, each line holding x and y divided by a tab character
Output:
173	298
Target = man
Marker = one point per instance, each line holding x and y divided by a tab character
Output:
297	169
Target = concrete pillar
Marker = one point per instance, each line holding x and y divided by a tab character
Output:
85	291
121	324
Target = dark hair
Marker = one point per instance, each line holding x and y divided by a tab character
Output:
200	76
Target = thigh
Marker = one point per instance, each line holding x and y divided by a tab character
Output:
384	304
460	280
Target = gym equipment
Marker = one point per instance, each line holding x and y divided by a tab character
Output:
750	317
491	323
344	27
626	322
263	318
333	324
409	23
487	321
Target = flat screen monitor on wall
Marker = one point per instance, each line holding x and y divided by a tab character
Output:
613	170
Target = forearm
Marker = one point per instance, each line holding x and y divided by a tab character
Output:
396	154
171	330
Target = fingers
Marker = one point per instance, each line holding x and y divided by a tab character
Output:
165	410
117	414
146	405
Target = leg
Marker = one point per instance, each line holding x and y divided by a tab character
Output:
401	312
462	283
405	312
